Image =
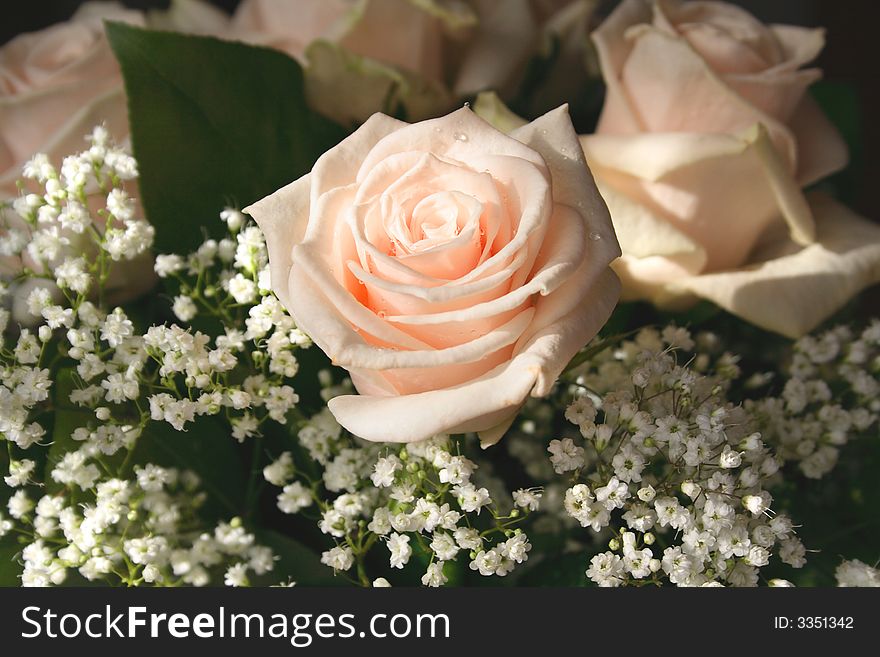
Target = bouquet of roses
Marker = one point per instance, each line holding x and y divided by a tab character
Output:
393	292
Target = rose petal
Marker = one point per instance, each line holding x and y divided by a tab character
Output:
792	290
460	136
821	149
642	233
648	278
800	45
553	136
332	314
722	50
283	217
733	22
791	200
337	167
489	107
292	26
652	156
349	88
335	309
482	404
505	36
411	380
566	246
695	182
778	90
528	191
492	435
618	115
109	108
191	17
663	69
415	45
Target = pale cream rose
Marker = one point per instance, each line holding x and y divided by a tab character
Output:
453	270
706	138
55	86
365	55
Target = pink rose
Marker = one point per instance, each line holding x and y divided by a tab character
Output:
705	140
453	270
363	56
55	86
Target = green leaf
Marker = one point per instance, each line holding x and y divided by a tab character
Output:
297	562
9	566
840	103
207	449
558	570
213	123
68	417
593	350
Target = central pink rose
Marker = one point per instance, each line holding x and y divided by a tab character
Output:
451	269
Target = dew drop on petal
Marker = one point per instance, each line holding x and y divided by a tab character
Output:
460	136
382	314
595	237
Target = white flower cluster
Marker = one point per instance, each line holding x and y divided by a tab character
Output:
669	468
421	498
83	500
832	395
133	532
857	573
58	233
651	448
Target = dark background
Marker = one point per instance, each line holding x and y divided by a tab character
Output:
851	31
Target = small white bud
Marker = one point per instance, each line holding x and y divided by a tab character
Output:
647	493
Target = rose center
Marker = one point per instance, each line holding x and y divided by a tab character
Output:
436	220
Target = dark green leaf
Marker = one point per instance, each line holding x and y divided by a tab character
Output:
840	103
213	123
68	417
9	566
297	562
559	570
207	449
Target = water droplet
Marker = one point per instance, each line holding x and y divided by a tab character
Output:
543	131
595	237
467	105
460	136
437	129
382	314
